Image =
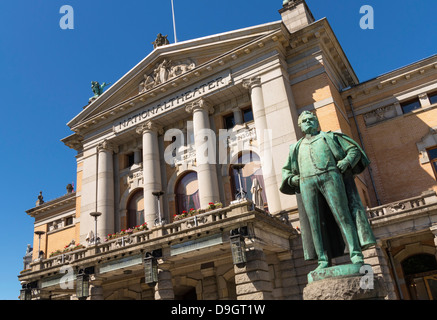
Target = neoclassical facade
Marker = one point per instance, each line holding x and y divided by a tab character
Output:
179	166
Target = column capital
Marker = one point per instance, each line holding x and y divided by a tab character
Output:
200	104
107	146
251	82
149	126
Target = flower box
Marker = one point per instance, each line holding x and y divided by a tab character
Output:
67	249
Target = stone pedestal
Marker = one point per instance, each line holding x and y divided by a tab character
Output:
335	284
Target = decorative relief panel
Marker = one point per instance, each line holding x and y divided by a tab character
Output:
134	177
165	71
382	114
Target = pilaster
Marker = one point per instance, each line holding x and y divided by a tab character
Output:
290	287
209	284
253	280
164	287
95	288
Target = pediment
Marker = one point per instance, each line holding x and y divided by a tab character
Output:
167	67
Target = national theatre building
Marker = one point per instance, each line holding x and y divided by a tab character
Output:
179	167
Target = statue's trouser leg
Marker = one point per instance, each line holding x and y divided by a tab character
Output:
310	195
332	188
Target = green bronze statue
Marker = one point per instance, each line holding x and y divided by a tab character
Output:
320	170
97	89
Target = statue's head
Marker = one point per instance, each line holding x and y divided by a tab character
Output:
308	122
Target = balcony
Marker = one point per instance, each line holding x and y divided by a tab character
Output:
209	230
405	216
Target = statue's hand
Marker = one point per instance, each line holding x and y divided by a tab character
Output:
342	165
295	180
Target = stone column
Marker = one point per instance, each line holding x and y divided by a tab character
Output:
290	287
137	156
238	115
205	152
105	189
209	284
253	280
151	170
95	289
264	142
164	287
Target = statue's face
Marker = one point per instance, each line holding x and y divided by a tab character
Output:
309	124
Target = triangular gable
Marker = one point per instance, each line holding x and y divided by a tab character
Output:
178	58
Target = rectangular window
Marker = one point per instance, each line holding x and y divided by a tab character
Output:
229	121
130	159
68	221
410	105
432	155
432	97
247	115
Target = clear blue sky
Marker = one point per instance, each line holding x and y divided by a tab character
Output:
46	74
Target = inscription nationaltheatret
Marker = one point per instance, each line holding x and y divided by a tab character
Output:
166	105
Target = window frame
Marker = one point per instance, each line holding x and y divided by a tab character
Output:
245	109
225	123
408	103
432	95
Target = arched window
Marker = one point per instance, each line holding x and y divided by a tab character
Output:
187	193
251	171
135	209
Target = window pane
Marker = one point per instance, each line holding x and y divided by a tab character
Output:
433	97
135	209
229	122
187	193
247	115
252	171
410	106
432	154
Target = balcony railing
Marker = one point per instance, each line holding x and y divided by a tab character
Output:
423	201
209	219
